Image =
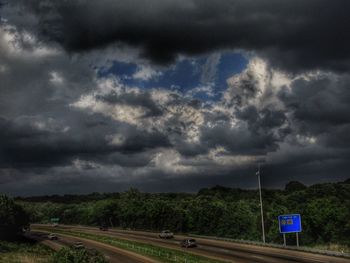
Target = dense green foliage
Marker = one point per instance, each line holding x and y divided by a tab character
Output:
68	255
220	211
23	250
12	218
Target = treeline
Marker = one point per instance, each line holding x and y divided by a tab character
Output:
219	211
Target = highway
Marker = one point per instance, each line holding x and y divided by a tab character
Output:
221	250
112	254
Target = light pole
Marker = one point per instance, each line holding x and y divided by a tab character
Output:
261	206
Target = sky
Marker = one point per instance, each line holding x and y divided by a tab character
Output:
172	96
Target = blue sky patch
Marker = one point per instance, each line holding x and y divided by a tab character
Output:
186	75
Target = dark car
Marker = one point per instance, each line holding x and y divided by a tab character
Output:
188	243
103	228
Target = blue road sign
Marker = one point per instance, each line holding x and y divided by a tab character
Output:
289	223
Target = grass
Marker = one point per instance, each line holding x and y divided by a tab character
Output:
23	251
333	247
155	252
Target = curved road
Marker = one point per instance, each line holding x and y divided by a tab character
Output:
222	250
114	255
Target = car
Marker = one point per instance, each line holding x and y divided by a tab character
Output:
52	236
188	243
26	229
166	234
78	245
103	228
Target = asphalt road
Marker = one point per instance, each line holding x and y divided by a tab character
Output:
226	251
114	255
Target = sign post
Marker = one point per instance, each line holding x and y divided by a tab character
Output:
261	206
297	239
289	224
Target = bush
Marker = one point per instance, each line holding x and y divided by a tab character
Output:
68	255
12	218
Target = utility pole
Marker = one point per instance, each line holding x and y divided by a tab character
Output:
261	206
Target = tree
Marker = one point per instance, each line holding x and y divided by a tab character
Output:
295	186
219	211
238	221
106	212
12	218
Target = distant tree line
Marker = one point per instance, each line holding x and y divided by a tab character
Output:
219	211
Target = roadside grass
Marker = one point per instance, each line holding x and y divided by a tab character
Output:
333	247
155	252
23	251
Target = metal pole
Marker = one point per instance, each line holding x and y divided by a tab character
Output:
261	207
297	239
284	240
110	221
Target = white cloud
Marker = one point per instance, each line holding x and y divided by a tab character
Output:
56	78
176	115
3	68
305	140
203	89
23	45
116	139
170	161
119	112
209	69
146	72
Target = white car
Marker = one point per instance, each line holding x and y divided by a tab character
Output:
52	236
166	234
78	245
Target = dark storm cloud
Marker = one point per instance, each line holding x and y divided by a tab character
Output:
24	145
240	140
292	34
265	119
63	124
38	127
140	141
321	101
320	107
307	164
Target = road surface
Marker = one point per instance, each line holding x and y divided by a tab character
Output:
226	251
114	255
